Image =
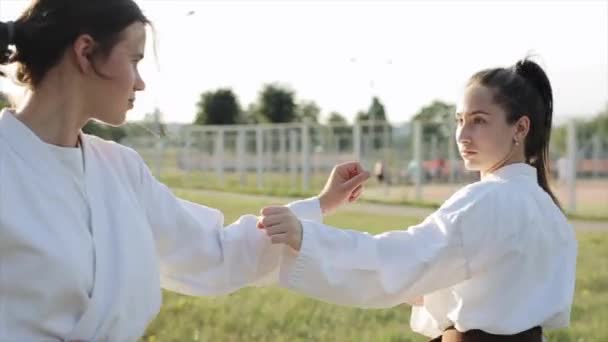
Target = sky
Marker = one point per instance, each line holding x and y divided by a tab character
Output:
341	53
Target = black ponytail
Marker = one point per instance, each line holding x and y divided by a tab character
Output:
537	147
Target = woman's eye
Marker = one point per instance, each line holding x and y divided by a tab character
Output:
478	121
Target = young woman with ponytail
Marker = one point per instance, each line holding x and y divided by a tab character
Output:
496	262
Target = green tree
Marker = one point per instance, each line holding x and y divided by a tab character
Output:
341	131
252	115
376	116
308	110
436	112
435	119
361	116
376	110
586	129
336	118
219	107
601	121
276	104
558	140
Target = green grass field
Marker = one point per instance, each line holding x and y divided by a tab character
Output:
273	314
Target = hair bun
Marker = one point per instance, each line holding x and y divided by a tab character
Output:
537	78
7	37
527	69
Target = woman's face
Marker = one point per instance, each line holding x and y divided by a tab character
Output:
483	135
114	95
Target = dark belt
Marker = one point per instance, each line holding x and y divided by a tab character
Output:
452	335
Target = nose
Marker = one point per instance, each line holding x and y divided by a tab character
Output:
140	85
463	134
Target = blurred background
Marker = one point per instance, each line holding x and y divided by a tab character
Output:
251	102
266	96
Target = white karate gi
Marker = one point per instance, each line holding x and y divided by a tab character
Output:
85	248
498	256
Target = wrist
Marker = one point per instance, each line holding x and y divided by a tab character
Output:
299	245
324	203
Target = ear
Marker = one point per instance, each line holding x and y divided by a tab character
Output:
522	128
83	48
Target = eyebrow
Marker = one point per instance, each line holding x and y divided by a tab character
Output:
473	113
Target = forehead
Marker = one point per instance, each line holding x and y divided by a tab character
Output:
477	97
134	37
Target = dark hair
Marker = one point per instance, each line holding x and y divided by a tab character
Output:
524	90
46	29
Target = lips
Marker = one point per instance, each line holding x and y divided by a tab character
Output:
467	153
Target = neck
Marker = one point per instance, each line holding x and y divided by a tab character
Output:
54	114
515	155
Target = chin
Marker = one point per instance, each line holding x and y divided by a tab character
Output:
118	122
116	119
470	165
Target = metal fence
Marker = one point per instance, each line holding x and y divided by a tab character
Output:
418	162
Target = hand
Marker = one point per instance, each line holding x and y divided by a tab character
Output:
345	183
282	226
418	301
